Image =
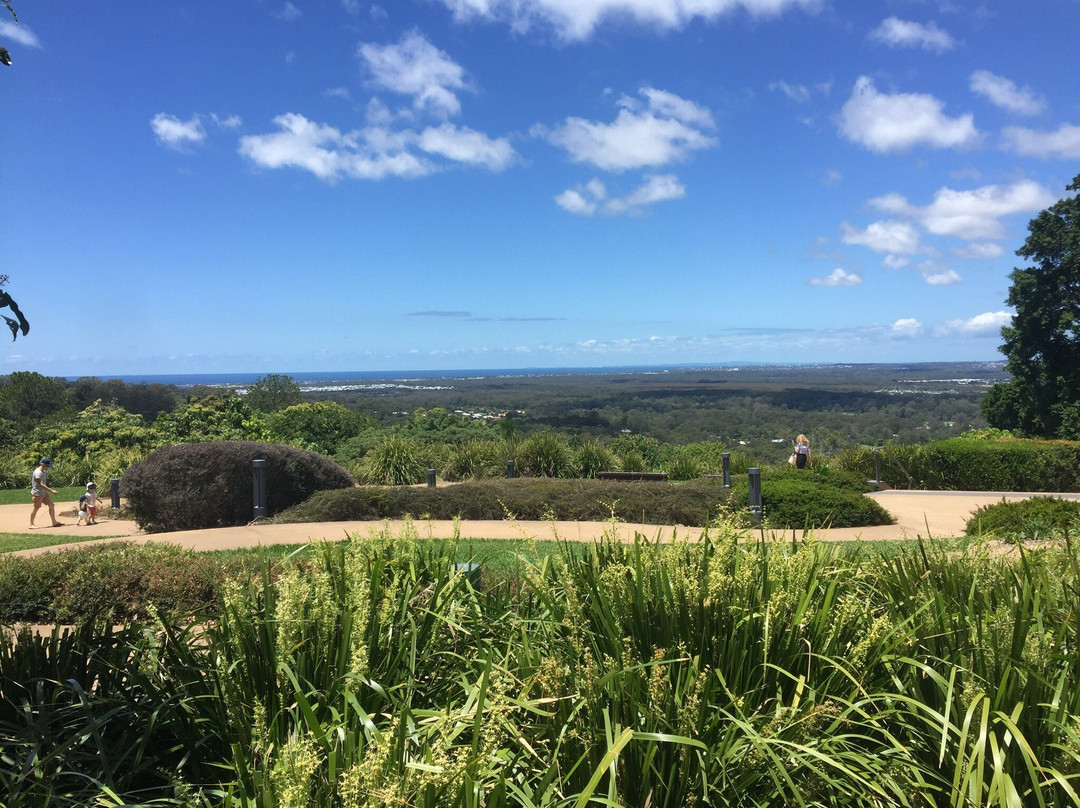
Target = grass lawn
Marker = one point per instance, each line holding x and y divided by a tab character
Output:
10	542
21	496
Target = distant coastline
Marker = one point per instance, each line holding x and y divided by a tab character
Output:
325	379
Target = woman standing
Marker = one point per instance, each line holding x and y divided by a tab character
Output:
802	453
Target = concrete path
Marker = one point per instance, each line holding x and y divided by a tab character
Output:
930	514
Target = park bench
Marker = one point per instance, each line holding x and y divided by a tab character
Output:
654	476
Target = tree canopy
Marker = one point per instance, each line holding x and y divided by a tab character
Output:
1042	344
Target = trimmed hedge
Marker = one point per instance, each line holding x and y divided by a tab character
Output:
112	583
791	499
974	464
689	503
1034	518
202	485
798	499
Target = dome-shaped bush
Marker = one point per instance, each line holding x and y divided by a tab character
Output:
200	485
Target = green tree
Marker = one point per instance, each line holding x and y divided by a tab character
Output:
208	418
1042	399
273	392
28	398
321	426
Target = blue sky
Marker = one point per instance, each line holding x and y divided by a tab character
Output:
281	185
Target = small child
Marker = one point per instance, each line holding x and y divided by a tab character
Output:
84	514
91	498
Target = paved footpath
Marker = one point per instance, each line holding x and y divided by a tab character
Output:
930	514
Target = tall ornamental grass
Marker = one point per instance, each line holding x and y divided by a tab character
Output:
726	672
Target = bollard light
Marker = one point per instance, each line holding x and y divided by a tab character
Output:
756	508
877	467
510	473
258	478
725	458
114	489
431	478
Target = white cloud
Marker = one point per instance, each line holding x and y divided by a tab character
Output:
416	68
464	145
19	33
371	153
887	123
287	12
175	133
888	236
330	154
980	250
666	129
981	325
799	93
838	277
936	275
578	19
897	33
895	261
1064	144
228	121
973	214
591	198
906	328
1004	93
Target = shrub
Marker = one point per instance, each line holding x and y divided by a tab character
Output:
798	499
107	584
475	459
395	461
691	503
1037	518
201	485
591	457
544	454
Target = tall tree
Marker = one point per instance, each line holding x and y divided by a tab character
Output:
273	392
1042	399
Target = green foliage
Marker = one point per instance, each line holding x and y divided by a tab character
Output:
544	454
1042	399
475	459
147	400
273	392
110	584
973	463
201	485
321	426
795	499
1033	519
726	672
437	425
637	452
591	457
690	503
208	418
396	460
28	398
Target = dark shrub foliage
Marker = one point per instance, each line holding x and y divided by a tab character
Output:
200	485
974	464
1035	518
793	501
108	584
794	498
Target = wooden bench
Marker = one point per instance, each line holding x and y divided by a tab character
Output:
629	476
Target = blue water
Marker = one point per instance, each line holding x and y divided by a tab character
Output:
307	379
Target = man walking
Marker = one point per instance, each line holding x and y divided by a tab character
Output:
40	491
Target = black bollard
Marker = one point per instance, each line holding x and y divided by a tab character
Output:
114	489
258	478
431	478
510	473
725	458
756	508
